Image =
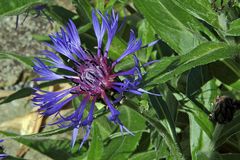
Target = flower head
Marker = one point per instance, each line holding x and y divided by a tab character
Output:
93	75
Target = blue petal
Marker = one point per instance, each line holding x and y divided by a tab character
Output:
73	34
85	136
114	115
114	112
150	44
111	24
133	46
74	136
144	91
44	71
99	32
56	107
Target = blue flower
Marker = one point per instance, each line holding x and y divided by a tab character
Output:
93	75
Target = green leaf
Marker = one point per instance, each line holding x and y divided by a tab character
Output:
196	78
228	67
176	27
200	9
236	85
223	132
146	32
41	38
161	129
208	94
84	10
100	5
201	128
105	127
17	95
85	28
199	140
234	28
158	103
172	103
60	14
122	147
95	150
197	115
234	65
144	155
27	61
55	149
110	4
170	67
42	134
15	7
118	46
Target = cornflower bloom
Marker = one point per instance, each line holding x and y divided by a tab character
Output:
92	74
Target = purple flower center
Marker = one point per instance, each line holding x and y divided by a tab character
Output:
94	76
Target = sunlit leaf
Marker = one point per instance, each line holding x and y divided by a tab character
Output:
234	28
15	7
170	67
201	9
26	61
122	147
95	150
145	155
175	26
84	10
